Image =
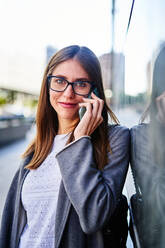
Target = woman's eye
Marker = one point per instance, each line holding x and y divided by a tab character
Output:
82	84
59	81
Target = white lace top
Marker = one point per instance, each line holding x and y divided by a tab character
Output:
39	198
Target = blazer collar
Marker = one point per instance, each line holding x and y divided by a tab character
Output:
62	212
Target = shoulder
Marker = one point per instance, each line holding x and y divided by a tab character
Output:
17	180
118	131
140	133
25	161
119	139
21	170
140	128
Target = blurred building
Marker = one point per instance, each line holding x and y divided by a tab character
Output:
113	72
21	71
20	79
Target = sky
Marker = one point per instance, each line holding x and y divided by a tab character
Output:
36	23
28	26
144	37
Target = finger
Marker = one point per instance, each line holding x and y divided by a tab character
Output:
92	109
96	125
95	106
95	109
101	105
93	101
91	117
100	121
94	96
88	100
97	114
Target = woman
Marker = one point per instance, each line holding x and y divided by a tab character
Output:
74	171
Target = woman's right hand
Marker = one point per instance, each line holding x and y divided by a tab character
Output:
92	117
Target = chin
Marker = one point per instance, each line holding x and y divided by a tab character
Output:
68	116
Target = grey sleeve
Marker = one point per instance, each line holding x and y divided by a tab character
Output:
11	217
94	193
8	214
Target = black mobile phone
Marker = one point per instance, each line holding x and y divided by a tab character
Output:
82	110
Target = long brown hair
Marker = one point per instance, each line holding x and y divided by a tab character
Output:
46	118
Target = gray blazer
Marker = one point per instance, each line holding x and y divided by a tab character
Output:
87	196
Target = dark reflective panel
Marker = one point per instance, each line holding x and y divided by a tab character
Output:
144	102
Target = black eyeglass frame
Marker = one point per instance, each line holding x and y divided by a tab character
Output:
72	84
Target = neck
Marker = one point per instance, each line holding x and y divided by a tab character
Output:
66	126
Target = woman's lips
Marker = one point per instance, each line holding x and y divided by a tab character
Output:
68	105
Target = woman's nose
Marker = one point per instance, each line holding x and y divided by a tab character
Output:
69	91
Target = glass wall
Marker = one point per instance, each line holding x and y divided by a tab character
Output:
144	112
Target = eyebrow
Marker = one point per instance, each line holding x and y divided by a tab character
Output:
77	79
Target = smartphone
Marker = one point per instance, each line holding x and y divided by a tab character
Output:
82	110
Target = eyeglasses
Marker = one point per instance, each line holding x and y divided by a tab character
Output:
59	84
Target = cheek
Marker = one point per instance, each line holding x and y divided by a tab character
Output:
54	95
53	99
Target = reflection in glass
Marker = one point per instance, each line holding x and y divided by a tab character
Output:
148	162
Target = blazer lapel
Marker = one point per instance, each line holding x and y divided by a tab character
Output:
62	212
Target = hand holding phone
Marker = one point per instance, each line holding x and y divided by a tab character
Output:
82	110
92	117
